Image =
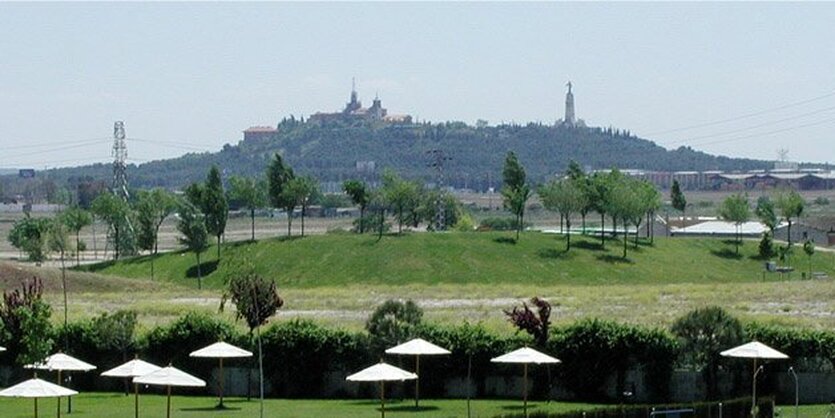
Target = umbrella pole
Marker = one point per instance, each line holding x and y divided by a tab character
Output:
382	399
36	407
220	405
417	381
59	398
136	400
168	405
525	390
754	391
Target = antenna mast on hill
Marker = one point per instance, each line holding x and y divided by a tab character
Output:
437	161
120	156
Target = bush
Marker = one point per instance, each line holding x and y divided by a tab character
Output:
766	247
812	350
173	343
821	201
392	323
300	353
499	224
593	350
733	408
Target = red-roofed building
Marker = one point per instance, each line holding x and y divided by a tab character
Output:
259	133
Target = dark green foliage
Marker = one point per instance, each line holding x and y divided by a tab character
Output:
497	224
30	235
679	202
76	218
214	206
735	209
172	343
808	349
361	196
515	190
791	206
301	353
194	234
278	178
593	350
393	322
731	408
766	213
255	298
26	326
116	213
247	193
703	333
766	246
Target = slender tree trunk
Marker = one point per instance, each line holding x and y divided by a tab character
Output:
380	226
199	274
561	223
362	219
289	222
602	231
64	289
637	227
625	241
789	231
303	211
252	219
218	246
568	235
77	248
584	223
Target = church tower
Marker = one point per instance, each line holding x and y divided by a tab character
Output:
354	104
569	107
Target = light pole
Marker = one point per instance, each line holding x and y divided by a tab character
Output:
754	394
796	393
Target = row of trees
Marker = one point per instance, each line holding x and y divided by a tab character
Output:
625	200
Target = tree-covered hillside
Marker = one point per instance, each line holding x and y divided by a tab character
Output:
331	152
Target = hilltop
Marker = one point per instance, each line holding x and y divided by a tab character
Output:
338	150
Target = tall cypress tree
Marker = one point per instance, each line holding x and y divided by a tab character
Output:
278	177
215	206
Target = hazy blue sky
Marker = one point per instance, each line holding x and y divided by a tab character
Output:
193	76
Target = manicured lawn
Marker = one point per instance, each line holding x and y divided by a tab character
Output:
108	405
469	258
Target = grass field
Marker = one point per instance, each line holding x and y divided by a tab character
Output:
468	258
110	405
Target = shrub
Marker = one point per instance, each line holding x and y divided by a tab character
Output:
173	343
301	353
26	325
766	247
392	323
821	201
498	224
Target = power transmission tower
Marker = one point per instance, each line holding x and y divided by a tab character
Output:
120	156
437	159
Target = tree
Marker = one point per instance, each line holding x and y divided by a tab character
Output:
515	192
75	219
766	213
152	207
116	331
735	209
30	235
302	191
703	334
809	249
599	189
59	242
278	176
215	207
536	324
766	246
679	202
115	212
256	300
360	195
567	198
393	322
195	236
791	205
25	318
625	203
402	196
248	193
583	181
651	200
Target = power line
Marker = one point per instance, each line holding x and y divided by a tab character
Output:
172	144
790	128
744	116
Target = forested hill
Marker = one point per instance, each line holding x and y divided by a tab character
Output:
331	153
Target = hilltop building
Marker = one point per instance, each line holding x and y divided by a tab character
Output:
570	119
259	133
355	111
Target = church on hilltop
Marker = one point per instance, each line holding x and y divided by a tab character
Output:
355	111
570	120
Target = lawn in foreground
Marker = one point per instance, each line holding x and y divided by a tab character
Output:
111	405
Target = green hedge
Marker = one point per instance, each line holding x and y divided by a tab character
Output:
734	408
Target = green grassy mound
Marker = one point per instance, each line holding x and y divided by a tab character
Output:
465	258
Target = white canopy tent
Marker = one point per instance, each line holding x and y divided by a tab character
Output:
417	347
381	373
754	350
525	356
36	388
61	362
168	377
133	368
220	350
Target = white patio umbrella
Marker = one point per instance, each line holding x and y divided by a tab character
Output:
2	349
36	388
754	350
417	347
168	377
61	362
221	350
525	356
381	372
133	368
